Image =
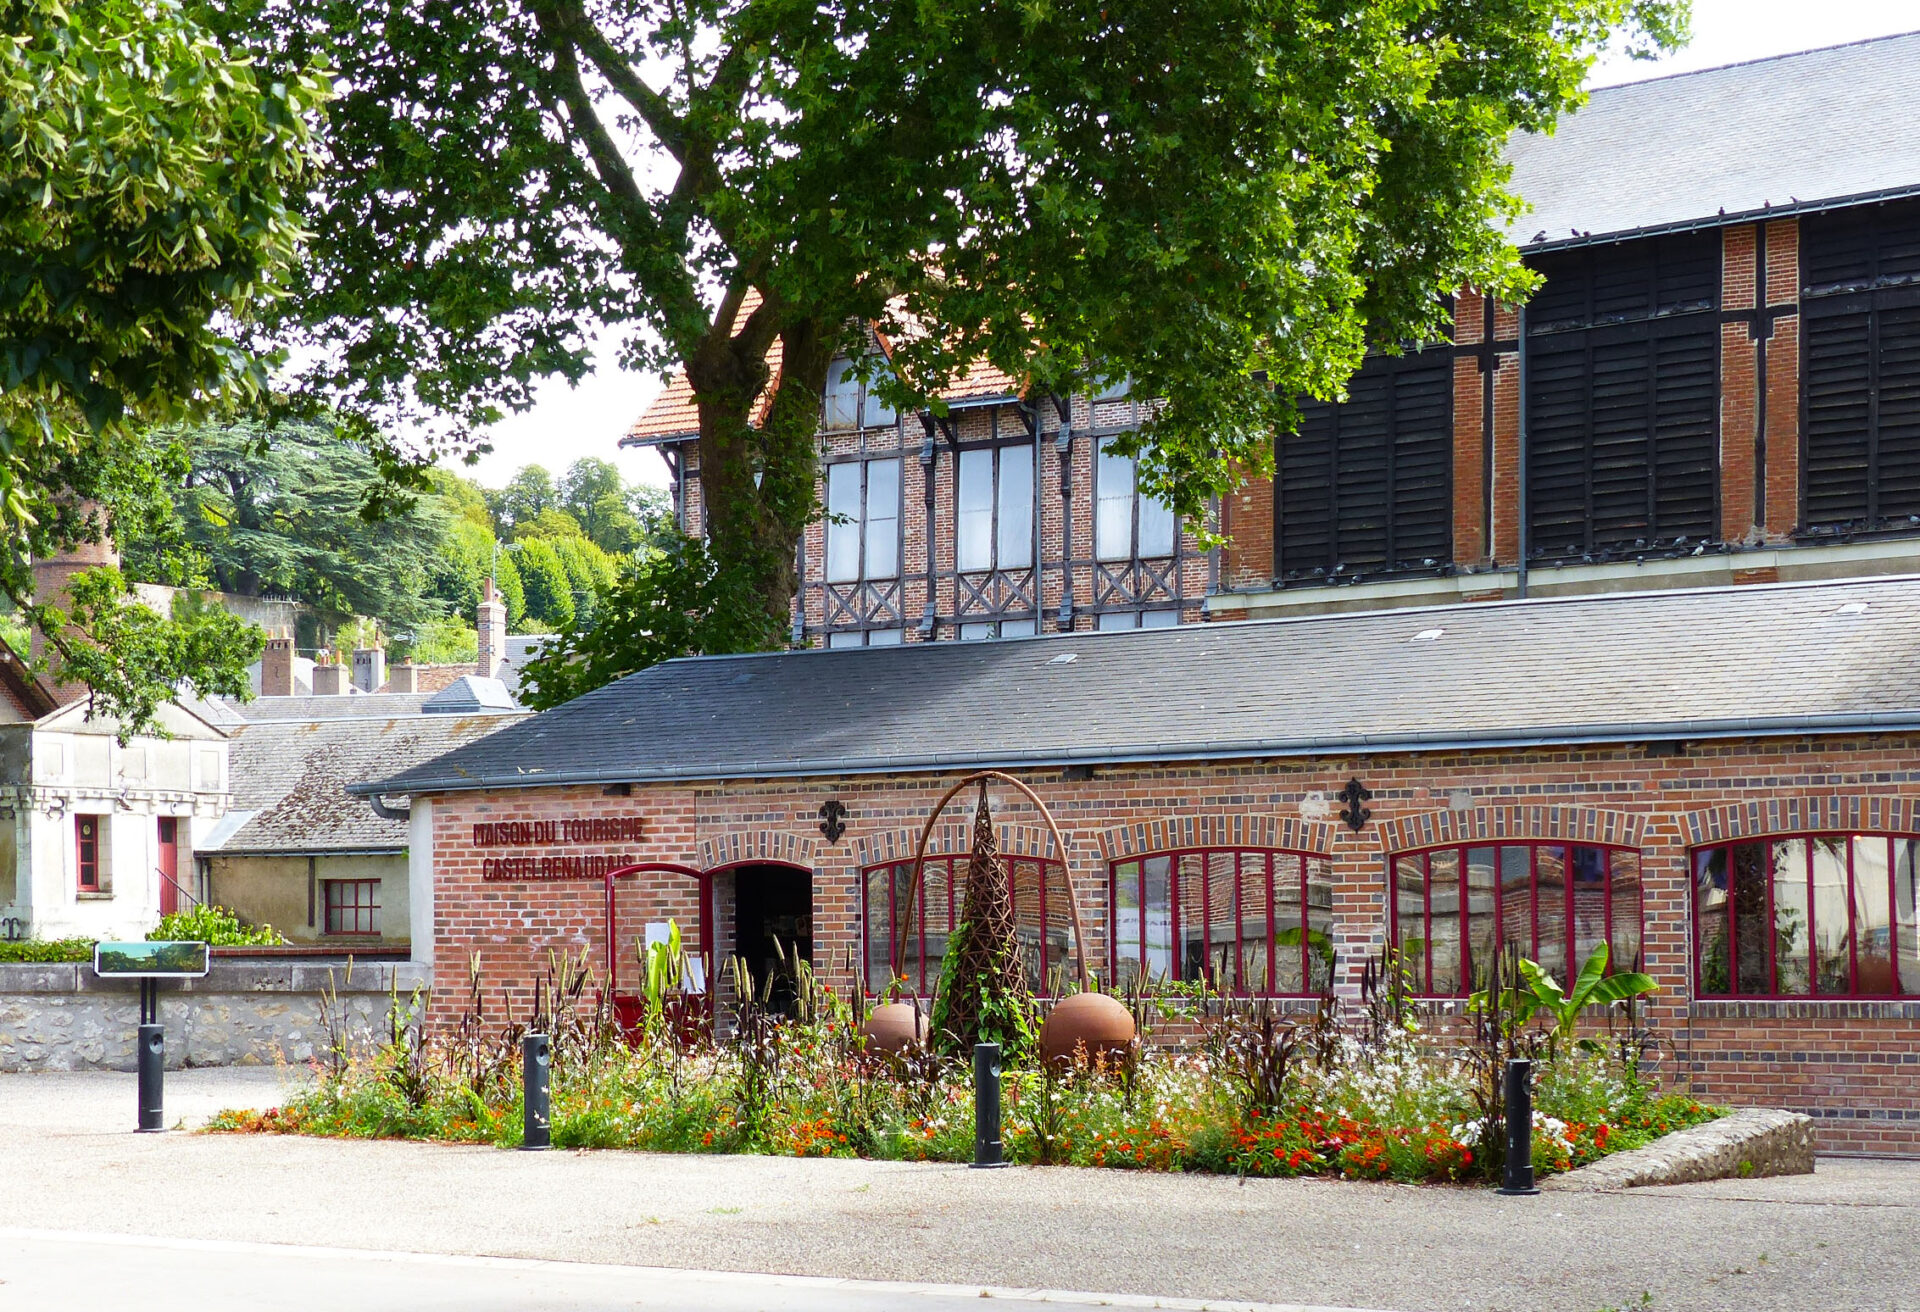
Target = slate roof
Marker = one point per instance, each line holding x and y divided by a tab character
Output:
290	778
345	706
1754	660
1776	135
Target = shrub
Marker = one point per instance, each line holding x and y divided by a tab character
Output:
47	949
216	926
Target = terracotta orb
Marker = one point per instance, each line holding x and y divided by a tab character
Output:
1098	1021
893	1026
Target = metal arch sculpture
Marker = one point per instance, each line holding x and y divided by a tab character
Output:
916	888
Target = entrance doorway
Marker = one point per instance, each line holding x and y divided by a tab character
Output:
169	866
773	919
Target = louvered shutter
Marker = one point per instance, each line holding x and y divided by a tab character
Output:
1364	487
1622	363
1860	383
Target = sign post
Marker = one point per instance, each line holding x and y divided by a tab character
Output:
150	963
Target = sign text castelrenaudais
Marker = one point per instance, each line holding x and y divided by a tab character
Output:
537	834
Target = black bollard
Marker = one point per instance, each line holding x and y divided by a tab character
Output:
987	1149
150	1056
536	1057
150	1060
1517	1176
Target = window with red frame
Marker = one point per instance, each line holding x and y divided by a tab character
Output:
1557	901
1249	921
353	906
86	847
907	939
1800	915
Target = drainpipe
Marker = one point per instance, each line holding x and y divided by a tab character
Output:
1520	498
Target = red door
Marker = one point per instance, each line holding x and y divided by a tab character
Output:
170	899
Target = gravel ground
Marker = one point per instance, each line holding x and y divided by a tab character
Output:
1846	1238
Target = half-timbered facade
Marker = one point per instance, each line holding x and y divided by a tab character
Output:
1716	381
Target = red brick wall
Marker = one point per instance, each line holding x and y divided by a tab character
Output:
1738	381
1854	1065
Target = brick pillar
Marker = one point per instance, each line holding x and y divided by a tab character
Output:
492	624
1783	379
1470	526
1505	547
276	668
329	680
1739	371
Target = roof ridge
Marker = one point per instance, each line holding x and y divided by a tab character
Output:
1758	59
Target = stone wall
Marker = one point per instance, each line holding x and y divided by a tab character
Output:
59	1017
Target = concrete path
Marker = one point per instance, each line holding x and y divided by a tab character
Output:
1845	1238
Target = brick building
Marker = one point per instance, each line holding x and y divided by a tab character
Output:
1592	625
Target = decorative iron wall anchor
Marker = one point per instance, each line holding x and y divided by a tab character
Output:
1353	813
833	819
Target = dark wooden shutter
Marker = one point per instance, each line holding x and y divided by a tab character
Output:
1364	487
1860	388
1622	391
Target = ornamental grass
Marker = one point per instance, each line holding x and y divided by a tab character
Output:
1369	1096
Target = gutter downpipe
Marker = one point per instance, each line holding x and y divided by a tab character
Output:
1520	352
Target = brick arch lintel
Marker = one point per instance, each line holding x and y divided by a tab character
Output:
1573	824
955	839
1217	829
1808	813
740	845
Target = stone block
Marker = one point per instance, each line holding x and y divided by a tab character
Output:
1753	1141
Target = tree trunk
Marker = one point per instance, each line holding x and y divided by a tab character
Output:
757	483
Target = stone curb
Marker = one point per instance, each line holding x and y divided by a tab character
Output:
1753	1141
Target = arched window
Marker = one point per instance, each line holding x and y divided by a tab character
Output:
1247	920
1799	915
1557	901
1043	920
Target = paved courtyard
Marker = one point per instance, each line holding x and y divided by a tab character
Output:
1847	1237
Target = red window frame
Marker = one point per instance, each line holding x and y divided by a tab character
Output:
1901	933
1254	871
86	848
1421	968
356	915
893	876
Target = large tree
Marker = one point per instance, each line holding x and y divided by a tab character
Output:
279	508
144	218
1223	199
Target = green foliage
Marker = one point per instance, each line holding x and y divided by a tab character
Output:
285	508
47	949
207	652
145	177
526	496
617	518
1224	201
549	591
445	641
809	1086
1537	991
666	604
215	926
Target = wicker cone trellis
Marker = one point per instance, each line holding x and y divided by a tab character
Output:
983	960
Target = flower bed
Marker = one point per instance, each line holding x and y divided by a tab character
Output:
1370	1102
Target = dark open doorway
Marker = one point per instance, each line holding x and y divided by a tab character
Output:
773	916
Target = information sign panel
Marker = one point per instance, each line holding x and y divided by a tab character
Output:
166	960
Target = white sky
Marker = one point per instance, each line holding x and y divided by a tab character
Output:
568	423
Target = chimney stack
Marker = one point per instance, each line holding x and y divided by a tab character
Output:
493	631
402	678
276	668
329	680
369	668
